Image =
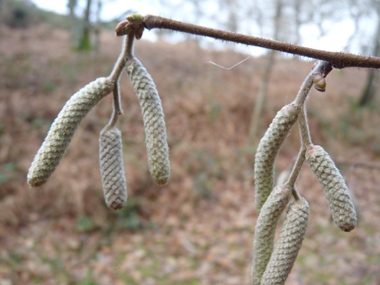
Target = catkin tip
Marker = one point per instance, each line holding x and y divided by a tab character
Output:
162	181
291	110
35	183
312	149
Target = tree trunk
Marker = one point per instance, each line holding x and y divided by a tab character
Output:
372	84
97	27
297	18
255	119
74	23
85	42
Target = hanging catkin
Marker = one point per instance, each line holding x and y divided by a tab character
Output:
289	242
153	115
112	168
266	228
334	187
63	128
267	152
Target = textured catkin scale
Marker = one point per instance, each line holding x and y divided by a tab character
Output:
112	168
63	128
289	243
153	115
267	152
334	187
266	228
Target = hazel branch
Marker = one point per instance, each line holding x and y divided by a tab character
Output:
337	59
116	107
126	52
296	172
304	128
318	70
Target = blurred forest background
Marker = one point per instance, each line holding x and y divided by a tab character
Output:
199	228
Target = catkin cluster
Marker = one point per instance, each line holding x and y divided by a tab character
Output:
153	115
110	144
270	203
63	128
272	262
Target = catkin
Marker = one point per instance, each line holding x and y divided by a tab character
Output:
334	187
267	152
153	115
112	168
266	228
63	128
289	243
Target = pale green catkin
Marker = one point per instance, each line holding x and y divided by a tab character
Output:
268	149
153	115
112	168
266	228
288	245
334	187
63	128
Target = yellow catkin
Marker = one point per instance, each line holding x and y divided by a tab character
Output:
267	151
334	187
112	168
153	115
266	228
63	128
288	245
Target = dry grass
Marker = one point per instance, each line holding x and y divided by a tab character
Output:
199	228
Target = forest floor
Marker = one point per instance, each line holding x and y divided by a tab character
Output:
199	228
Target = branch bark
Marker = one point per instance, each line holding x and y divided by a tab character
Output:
337	59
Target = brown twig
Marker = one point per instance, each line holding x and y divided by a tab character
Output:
116	106
126	52
297	168
319	68
304	128
337	59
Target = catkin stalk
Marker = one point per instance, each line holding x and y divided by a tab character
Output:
112	168
266	228
63	128
267	151
334	187
289	243
153	115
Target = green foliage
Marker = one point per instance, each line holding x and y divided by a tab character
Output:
49	85
84	43
84	224
128	217
7	171
88	283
